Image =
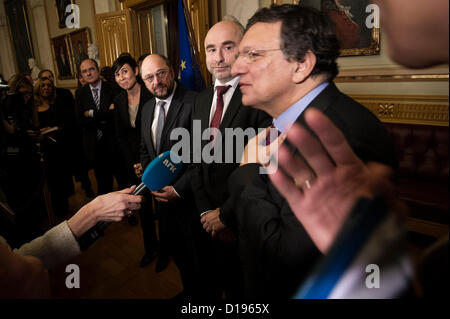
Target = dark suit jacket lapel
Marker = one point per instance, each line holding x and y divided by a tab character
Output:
144	97
206	109
174	109
123	108
89	98
147	126
205	104
232	110
104	94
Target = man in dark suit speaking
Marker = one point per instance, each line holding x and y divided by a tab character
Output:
287	62
169	109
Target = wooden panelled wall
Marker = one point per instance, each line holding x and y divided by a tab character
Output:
114	36
119	31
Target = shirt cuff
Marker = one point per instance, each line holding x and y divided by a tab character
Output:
91	113
176	192
206	212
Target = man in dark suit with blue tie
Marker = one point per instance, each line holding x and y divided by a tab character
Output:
96	99
287	63
169	109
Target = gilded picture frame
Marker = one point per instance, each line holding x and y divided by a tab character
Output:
62	58
355	36
17	19
78	41
60	7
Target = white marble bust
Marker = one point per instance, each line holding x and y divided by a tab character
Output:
34	69
92	52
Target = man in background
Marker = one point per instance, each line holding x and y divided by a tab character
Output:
96	102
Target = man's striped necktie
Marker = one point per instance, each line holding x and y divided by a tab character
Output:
96	97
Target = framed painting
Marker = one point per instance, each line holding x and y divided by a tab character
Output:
61	14
268	3
350	16
62	58
16	14
79	41
355	37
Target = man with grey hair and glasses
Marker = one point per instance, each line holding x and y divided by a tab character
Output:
286	64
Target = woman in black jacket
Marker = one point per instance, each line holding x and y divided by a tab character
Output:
128	107
56	124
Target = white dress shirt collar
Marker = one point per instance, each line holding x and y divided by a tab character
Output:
226	97
233	83
98	86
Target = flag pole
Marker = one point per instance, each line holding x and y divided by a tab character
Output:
191	34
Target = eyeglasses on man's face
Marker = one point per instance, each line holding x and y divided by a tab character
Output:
162	74
252	55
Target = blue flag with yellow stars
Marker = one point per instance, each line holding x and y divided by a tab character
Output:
190	73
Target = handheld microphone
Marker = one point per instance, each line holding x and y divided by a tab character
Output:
158	174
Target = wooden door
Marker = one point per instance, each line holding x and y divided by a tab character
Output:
113	36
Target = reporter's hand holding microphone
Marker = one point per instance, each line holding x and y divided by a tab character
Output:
111	207
114	206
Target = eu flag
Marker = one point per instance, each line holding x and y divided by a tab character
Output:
190	73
